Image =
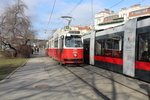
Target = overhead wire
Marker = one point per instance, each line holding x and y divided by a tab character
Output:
90	19
74	8
142	1
68	13
50	17
116	4
92	11
78	4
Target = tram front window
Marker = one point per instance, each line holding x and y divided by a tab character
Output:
73	41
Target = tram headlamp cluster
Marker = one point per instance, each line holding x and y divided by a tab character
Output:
68	35
75	55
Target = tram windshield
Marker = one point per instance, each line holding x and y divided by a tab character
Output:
73	41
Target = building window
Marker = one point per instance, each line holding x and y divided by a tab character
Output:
139	11
111	17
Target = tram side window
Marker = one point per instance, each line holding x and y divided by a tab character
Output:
144	47
46	46
99	48
56	44
116	44
109	48
50	44
61	43
109	44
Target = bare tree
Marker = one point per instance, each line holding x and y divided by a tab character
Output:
15	27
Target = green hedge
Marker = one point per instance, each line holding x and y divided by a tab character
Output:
112	22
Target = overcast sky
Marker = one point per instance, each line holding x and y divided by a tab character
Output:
39	11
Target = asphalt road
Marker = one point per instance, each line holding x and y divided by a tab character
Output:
43	79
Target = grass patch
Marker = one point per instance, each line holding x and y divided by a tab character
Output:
1	52
8	65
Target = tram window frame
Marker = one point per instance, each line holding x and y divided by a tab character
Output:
86	46
61	43
72	41
52	44
106	50
108	44
56	43
99	51
143	53
112	46
49	45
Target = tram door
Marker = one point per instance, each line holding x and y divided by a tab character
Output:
129	48
56	49
86	50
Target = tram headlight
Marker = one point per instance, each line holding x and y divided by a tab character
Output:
75	55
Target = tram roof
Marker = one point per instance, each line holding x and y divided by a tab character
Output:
141	22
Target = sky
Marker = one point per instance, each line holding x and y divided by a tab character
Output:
39	12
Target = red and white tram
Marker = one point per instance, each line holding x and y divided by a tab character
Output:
124	49
66	47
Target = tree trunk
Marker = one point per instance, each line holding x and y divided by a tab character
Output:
15	53
15	50
26	41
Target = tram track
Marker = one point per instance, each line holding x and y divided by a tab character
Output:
84	81
103	94
118	82
105	97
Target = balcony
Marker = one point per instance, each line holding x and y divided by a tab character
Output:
117	20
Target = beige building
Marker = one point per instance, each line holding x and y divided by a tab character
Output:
107	19
83	29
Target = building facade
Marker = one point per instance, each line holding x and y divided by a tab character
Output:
83	29
107	19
